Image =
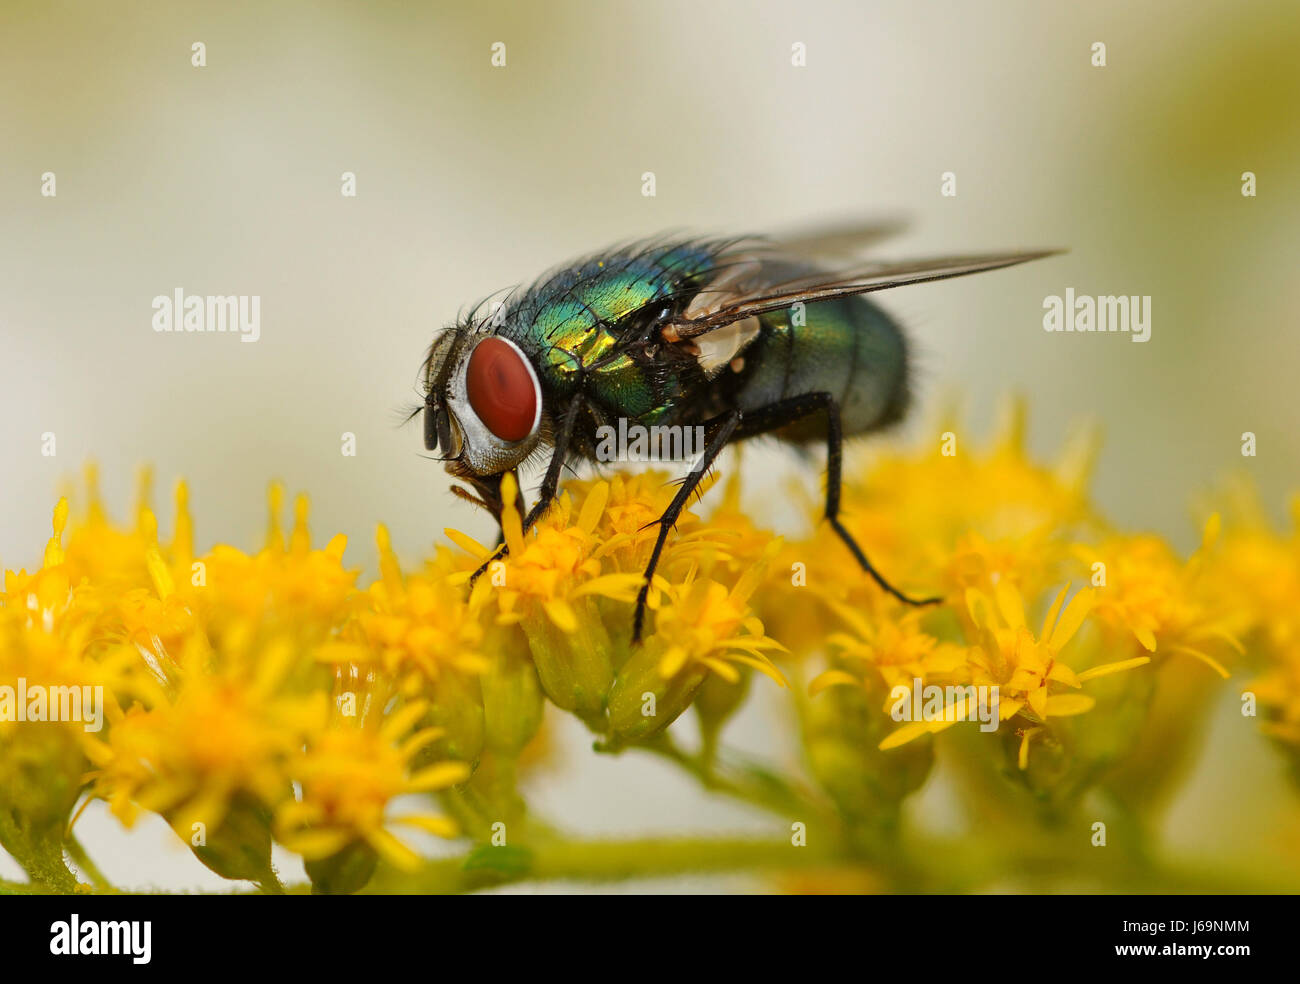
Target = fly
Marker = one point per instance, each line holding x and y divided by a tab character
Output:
734	337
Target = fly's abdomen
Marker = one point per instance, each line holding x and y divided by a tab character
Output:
847	347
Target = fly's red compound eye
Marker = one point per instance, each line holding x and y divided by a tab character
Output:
501	390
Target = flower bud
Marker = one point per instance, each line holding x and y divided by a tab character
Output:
573	665
842	728
512	696
642	702
457	708
718	699
344	872
239	847
40	777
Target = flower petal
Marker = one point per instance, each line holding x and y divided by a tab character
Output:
1075	612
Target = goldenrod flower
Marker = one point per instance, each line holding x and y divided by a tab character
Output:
1028	670
556	564
1150	594
222	735
701	628
417	626
549	585
960	514
252	696
886	652
350	773
309	591
628	523
1253	571
708	624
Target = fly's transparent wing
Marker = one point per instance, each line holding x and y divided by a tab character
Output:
839	240
733	298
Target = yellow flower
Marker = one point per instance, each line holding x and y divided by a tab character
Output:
549	585
555	563
1027	561
1278	691
306	590
269	694
914	514
45	594
1149	594
416	626
105	554
705	623
43	635
1254	570
350	775
886	652
702	628
1032	678
223	734
627	524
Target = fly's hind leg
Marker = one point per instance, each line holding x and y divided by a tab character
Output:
787	411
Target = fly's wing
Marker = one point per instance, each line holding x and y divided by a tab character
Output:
838	241
739	294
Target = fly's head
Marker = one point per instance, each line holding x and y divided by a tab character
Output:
482	407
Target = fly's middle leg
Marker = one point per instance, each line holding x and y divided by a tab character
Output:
720	430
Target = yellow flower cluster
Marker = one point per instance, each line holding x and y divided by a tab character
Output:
1005	536
252	698
223	710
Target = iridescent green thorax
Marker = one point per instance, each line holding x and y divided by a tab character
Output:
576	317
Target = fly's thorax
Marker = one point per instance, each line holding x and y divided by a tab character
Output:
625	372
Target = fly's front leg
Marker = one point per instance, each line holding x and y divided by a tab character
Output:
723	428
550	483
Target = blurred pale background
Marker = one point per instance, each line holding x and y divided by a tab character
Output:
226	180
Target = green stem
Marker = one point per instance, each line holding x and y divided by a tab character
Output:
78	854
974	865
39	852
947	866
605	861
747	782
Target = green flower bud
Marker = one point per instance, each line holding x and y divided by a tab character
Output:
41	766
574	667
642	703
718	699
512	697
457	708
240	847
345	872
842	729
